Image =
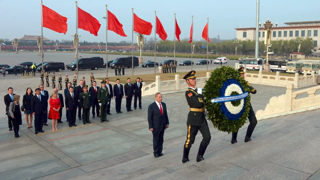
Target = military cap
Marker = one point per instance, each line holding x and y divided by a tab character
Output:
85	87
190	75
241	70
103	82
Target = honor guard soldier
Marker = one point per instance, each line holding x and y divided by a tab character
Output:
123	70
171	68
66	80
175	67
74	81
103	97
42	77
60	81
47	79
53	78
91	79
252	117
22	70
196	118
84	81
119	70
115	71
85	104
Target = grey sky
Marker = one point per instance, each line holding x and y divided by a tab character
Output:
19	17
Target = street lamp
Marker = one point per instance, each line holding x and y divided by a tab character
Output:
267	41
193	46
236	42
1	41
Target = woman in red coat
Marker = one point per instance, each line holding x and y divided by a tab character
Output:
54	113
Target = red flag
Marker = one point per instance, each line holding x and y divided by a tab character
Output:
141	26
178	31
191	30
205	33
160	30
54	21
114	25
88	22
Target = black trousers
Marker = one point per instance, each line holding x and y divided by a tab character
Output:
45	117
60	112
192	133
16	129
108	106
95	107
158	141
38	121
10	123
67	112
128	102
72	116
253	122
86	113
135	101
79	111
118	103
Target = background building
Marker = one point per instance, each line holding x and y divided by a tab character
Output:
32	39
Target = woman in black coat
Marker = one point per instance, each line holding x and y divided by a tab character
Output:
15	114
27	106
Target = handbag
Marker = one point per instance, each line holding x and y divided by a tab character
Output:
22	108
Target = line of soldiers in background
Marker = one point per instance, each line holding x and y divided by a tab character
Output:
25	71
118	69
66	80
169	68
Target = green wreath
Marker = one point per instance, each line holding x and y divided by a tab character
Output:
212	90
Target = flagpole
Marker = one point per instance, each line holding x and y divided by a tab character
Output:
107	40
207	43
174	40
42	55
132	39
76	38
192	43
155	40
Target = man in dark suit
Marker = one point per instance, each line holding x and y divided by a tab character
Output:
137	93
61	103
128	91
71	106
39	107
7	100
118	95
78	90
109	87
46	95
158	121
66	91
94	98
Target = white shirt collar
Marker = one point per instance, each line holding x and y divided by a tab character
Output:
192	88
158	104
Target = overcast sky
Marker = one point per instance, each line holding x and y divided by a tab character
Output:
19	17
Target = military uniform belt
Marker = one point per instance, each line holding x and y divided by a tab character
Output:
197	109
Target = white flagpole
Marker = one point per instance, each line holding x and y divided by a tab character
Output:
77	39
207	43
107	39
132	39
42	55
192	43
174	40
155	40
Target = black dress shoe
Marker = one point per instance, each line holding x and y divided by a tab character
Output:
84	123
74	125
120	111
233	141
45	125
70	125
160	154
41	131
130	110
89	122
247	139
107	120
200	158
36	132
140	107
98	116
184	160
93	116
156	155
10	129
109	114
60	122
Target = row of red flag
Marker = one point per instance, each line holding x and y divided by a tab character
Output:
56	22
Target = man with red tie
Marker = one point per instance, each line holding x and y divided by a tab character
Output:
94	99
158	121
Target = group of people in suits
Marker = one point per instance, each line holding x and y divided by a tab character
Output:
158	120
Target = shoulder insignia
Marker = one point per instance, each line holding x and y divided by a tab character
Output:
190	94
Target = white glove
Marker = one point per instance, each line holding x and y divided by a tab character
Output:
199	90
99	104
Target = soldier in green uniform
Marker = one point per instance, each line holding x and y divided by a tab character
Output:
103	97
53	79
196	119
91	79
22	70
42	77
115	71
47	79
85	104
252	117
74	81
60	81
66	80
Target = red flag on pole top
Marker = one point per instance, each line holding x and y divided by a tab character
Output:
191	30
114	25
87	22
160	30
205	33
54	21
141	26
178	31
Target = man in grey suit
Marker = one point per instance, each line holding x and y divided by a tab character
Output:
158	121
